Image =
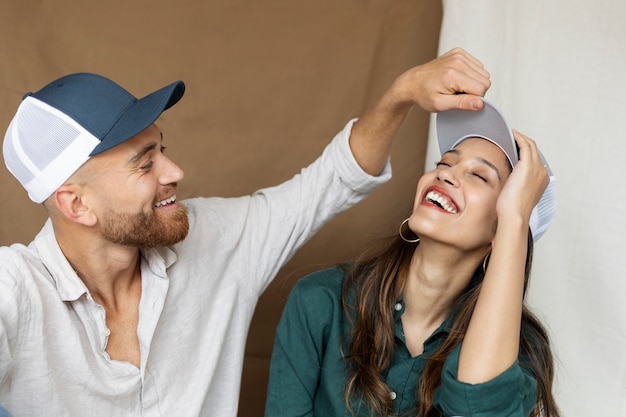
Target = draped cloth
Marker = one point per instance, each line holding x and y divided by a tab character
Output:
557	74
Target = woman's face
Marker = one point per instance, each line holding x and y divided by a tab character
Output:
456	202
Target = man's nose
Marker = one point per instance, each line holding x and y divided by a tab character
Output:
171	172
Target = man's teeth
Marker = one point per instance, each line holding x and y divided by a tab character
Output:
441	201
164	202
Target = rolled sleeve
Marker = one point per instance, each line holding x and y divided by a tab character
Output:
513	393
348	168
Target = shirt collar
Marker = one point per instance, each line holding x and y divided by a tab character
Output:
442	330
69	285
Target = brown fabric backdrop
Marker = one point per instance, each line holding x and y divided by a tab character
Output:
268	85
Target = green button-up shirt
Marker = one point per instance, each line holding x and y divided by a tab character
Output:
308	373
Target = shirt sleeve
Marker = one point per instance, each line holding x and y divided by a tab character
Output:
513	393
9	312
288	215
298	354
258	234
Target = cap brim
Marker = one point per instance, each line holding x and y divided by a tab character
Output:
454	126
141	114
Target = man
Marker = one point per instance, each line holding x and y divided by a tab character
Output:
129	302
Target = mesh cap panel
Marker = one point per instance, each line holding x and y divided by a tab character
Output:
43	147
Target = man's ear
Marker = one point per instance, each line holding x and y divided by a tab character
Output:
71	203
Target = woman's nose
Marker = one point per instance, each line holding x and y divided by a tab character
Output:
447	175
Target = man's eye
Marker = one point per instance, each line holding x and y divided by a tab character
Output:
147	166
163	148
441	163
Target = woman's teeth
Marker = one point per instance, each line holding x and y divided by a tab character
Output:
441	201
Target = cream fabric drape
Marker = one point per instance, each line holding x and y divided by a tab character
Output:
557	69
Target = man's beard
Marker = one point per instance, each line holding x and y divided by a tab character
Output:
145	230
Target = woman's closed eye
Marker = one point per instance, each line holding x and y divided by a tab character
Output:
476	174
479	176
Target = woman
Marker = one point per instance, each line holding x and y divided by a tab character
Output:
433	322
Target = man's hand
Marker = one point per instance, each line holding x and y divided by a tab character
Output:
455	80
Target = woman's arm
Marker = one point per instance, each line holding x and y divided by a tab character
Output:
491	344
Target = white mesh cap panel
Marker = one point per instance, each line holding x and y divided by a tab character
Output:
543	213
43	147
13	162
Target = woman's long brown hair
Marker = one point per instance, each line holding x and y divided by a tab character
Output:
372	288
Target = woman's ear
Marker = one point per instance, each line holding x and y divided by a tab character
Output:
71	203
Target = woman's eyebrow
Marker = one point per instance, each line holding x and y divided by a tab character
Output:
481	160
490	165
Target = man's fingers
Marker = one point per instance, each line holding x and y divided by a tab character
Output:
468	65
469	102
460	52
458	102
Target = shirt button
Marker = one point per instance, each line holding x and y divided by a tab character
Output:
393	396
106	332
398	306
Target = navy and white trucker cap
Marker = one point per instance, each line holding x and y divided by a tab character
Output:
58	128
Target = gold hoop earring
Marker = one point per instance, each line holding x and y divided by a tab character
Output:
485	262
417	239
